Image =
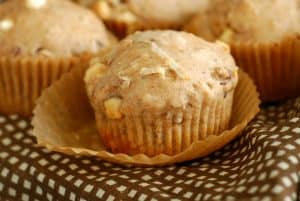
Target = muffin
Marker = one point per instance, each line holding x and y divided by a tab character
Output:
264	40
125	17
160	91
40	40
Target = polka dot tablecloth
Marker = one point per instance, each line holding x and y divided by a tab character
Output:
262	164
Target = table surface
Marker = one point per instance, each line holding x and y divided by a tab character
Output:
262	164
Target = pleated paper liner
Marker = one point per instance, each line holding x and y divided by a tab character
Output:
23	79
169	133
122	27
275	67
64	121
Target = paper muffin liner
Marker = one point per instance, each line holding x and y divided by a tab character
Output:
122	28
64	121
275	67
169	133
22	80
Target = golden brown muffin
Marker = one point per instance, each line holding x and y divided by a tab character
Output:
160	91
50	28
263	36
125	17
247	20
40	40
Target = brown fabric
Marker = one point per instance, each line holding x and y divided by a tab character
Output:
262	164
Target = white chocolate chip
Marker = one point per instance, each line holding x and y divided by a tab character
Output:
103	9
6	24
35	4
112	108
96	70
154	70
224	45
227	35
127	17
126	81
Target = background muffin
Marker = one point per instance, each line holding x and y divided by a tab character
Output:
32	27
125	17
160	91
247	20
39	41
264	40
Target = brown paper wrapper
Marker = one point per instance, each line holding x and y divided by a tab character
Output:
171	133
23	79
122	27
275	67
64	121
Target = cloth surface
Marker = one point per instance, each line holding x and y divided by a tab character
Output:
262	164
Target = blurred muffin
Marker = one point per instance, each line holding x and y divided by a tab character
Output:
160	91
264	39
39	41
125	17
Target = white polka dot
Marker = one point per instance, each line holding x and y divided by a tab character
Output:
253	189
25	197
264	188
283	165
13	160
61	190
22	124
293	159
277	189
78	182
262	176
296	130
110	182
121	188
275	143
15	179
281	153
241	189
132	193
2	120
274	173
284	129
270	163
12	192
27	184
294	120
9	127
266	199
295	177
39	190
6	141
4	155
286	181
290	147
288	198
142	197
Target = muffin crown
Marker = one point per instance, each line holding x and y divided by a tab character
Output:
49	28
247	20
160	70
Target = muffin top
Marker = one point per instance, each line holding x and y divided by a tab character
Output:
152	12
49	28
155	71
247	20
